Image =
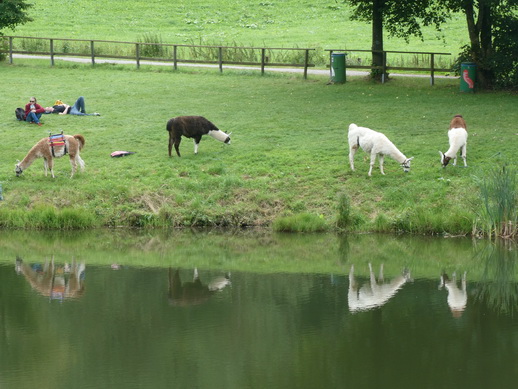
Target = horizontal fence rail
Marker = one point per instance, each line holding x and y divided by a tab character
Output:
165	52
353	63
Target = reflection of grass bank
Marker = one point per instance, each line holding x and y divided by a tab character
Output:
255	250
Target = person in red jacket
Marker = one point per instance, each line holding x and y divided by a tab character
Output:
33	111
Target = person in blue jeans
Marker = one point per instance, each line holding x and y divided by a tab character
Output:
77	109
33	111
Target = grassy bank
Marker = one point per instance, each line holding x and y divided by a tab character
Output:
288	155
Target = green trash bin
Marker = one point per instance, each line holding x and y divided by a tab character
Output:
338	68
468	76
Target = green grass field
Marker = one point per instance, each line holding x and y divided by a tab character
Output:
287	165
288	155
288	23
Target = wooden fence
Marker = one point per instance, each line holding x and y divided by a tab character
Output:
385	67
221	54
204	54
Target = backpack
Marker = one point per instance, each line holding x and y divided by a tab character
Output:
20	113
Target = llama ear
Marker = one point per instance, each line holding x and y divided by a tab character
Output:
411	158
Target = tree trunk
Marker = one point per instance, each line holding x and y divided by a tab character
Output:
377	37
481	41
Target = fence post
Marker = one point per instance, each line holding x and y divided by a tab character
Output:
384	67
52	52
92	52
174	58
263	57
137	52
306	61
220	59
432	81
11	50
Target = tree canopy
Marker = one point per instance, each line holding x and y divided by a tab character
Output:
13	13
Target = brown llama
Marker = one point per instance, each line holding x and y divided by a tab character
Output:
69	144
458	122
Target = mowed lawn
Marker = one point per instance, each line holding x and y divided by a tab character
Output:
288	156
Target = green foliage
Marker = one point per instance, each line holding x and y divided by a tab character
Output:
13	13
499	211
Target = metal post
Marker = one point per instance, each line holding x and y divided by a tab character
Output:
92	52
52	52
174	57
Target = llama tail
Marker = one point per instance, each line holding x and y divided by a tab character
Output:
81	139
169	126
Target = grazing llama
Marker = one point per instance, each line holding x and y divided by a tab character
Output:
375	293
377	144
192	127
458	137
48	149
186	293
457	297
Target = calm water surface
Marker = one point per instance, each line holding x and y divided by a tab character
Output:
265	311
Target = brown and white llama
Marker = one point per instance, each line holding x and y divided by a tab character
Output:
192	127
458	138
71	145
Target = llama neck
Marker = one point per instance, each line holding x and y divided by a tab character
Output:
30	157
398	155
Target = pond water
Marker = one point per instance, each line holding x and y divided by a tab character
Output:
125	309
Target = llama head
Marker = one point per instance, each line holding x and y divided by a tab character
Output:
406	164
18	169
444	159
221	136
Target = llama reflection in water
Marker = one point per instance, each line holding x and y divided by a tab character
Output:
193	292
457	297
375	293
50	280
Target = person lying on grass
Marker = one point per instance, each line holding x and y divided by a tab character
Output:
78	108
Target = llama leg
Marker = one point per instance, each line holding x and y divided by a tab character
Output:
50	163
81	162
352	151
381	159
170	146
45	166
463	155
195	146
74	165
177	146
373	159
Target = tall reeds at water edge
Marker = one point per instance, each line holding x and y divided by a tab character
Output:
498	214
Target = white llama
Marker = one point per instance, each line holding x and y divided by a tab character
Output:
377	144
458	138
